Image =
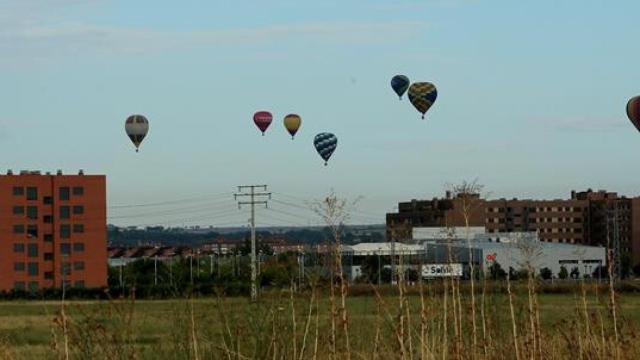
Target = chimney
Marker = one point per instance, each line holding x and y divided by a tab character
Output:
59	172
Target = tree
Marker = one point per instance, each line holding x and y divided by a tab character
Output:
370	266
563	274
496	272
513	274
575	273
546	273
411	275
601	272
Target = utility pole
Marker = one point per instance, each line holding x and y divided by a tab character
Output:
155	270
250	191
613	241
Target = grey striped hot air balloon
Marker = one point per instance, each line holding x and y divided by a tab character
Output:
325	144
137	127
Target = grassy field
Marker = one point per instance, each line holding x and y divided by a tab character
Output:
235	328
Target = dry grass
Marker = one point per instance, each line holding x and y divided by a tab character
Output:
286	325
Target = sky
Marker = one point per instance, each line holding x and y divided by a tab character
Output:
531	100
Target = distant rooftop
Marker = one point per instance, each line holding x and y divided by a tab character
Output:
38	172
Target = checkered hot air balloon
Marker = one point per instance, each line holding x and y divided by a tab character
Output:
137	127
262	119
633	111
292	123
422	95
325	144
400	84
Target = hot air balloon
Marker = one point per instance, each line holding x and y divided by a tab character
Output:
262	120
422	95
633	111
400	84
325	144
137	127
292	124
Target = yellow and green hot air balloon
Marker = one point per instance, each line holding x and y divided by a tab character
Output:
292	123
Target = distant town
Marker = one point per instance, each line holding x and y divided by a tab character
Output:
58	231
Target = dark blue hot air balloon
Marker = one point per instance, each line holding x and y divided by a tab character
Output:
400	84
325	144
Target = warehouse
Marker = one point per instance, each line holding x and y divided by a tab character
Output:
438	252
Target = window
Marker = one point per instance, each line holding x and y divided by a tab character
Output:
65	212
78	228
48	275
65	268
32	250
19	266
32	212
78	191
18	286
64	194
78	210
32	269
47	200
48	256
79	284
78	247
65	231
32	231
18	248
18	229
568	262
18	210
48	219
18	191
591	261
78	266
48	237
32	193
65	249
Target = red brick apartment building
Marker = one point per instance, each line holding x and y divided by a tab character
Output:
52	231
588	217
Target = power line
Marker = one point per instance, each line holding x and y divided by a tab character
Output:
191	199
354	212
184	210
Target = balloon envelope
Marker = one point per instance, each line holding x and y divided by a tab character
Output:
262	119
137	127
292	123
633	111
325	144
422	95
400	84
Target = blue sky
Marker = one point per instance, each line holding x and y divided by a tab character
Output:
531	99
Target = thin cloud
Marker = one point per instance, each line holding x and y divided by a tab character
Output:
30	40
585	124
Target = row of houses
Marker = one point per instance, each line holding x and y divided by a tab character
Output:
119	255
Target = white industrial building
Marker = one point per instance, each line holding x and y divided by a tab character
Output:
432	249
